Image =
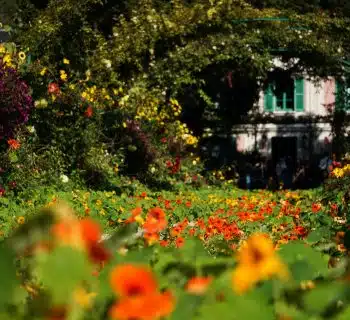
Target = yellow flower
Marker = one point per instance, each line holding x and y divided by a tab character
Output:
83	298
63	75
43	71
257	260
21	220
139	220
2	48
7	59
22	56
66	61
98	202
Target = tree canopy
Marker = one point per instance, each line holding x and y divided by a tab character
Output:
201	49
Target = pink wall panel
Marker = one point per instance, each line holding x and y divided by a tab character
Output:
240	143
329	99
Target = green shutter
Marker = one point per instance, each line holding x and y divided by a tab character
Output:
269	99
299	94
339	95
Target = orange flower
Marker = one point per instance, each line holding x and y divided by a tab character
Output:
149	307
155	220
14	144
198	285
129	280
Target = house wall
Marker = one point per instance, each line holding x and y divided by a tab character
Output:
316	97
250	136
313	139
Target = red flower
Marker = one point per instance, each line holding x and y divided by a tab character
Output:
300	231
180	242
89	112
164	243
169	164
53	88
83	233
316	207
14	144
188	204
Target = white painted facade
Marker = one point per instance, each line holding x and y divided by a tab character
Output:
318	137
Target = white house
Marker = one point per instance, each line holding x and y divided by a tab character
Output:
290	119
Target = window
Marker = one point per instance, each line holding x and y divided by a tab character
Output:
285	95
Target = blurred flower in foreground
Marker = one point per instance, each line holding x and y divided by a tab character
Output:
156	220
257	260
83	234
198	285
139	295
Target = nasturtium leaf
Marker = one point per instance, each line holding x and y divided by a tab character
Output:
316	300
314	237
299	255
62	271
193	250
345	315
187	306
252	308
219	310
302	271
289	311
8	280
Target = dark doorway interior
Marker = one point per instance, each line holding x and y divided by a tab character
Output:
284	147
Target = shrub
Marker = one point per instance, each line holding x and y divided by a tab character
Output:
15	99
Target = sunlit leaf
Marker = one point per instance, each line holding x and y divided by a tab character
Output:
63	270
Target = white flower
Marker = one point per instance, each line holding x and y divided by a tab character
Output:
31	129
64	178
107	63
153	169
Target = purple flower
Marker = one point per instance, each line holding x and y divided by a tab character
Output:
15	101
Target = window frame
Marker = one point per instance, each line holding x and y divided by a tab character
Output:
270	96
